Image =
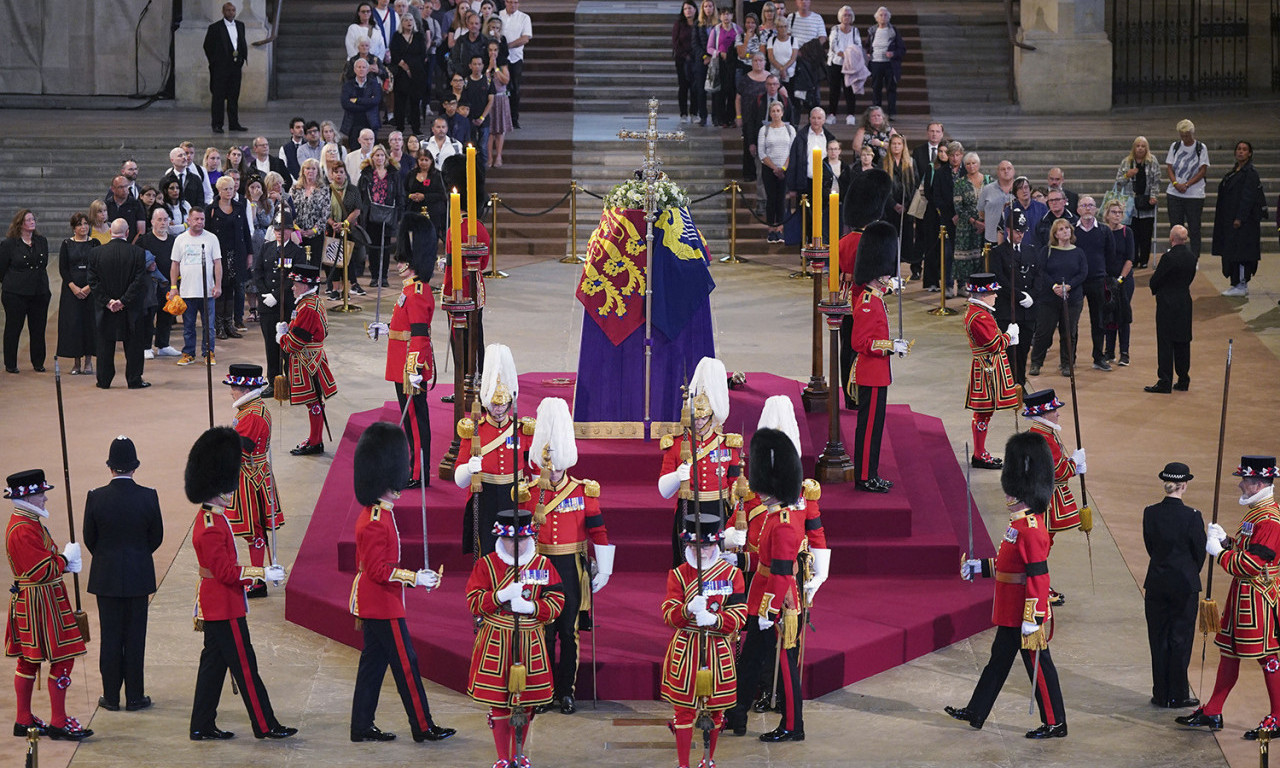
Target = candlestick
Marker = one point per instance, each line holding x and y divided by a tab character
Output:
455	240
833	243
816	197
472	214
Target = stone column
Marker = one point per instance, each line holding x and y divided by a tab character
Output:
1070	70
191	68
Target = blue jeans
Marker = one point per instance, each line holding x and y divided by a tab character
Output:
189	325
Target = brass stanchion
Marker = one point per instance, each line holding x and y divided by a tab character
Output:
572	257
346	305
986	257
814	396
1264	747
494	272
804	228
732	258
942	309
33	747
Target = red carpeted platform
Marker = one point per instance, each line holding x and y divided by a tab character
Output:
893	594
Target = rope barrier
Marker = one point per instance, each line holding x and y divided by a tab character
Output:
543	212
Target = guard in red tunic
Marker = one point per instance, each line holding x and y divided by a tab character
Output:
255	509
774	597
863	203
711	463
410	357
381	470
1250	626
212	474
41	625
493	447
302	340
1021	609
705	604
1042	409
876	269
566	511
991	384
509	587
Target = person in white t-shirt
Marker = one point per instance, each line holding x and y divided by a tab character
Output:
1186	166
517	28
191	249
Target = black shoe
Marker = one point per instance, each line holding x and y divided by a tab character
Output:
20	730
1199	718
356	290
137	704
567	705
140	385
38	369
1033	369
232	333
515	124
212	734
1182	386
447	399
308	450
221	333
1058	731
782	734
279	732
257	590
415	483
110	706
1158	389
1182	703
70	731
1124	359
870	486
434	733
218	129
543	709
239	129
965	715
384	284
373	733
761	704
986	462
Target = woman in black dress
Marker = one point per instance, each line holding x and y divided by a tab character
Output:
939	189
409	59
226	220
75	312
24	261
425	189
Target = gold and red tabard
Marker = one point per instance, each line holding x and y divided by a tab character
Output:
991	384
310	379
691	648
256	500
1063	515
1249	622
41	624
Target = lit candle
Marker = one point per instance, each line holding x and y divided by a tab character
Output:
833	243
816	197
471	194
455	240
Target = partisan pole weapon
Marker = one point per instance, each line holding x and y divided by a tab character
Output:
517	675
208	330
1209	618
82	618
1086	513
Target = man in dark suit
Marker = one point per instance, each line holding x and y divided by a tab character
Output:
1171	284
190	182
923	154
1174	535
227	50
118	281
122	528
360	100
800	163
1055	179
262	162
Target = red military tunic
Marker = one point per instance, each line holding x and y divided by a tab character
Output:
773	586
220	596
847	255
991	384
409	335
1249	622
482	237
808	526
256	499
723	586
870	339
1063	514
310	379
717	462
41	624
491	654
499	454
377	592
1021	571
573	515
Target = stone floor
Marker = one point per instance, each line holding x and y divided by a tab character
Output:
893	719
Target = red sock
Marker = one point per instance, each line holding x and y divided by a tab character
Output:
500	721
24	682
1271	674
718	719
1228	671
979	429
257	552
59	682
316	413
684	735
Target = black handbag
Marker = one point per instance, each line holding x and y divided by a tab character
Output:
381	214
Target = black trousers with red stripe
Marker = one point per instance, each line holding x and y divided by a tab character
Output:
866	445
387	643
227	647
416	425
1008	643
756	662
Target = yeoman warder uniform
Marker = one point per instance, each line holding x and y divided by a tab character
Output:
255	509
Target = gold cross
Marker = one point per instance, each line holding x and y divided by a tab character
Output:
651	137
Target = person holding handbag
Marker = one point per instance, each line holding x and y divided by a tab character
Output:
381	200
1137	181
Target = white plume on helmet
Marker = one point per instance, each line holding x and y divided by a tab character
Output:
780	413
711	380
499	372
554	431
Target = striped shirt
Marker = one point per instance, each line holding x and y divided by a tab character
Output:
806	28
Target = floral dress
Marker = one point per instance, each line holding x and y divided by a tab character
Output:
968	236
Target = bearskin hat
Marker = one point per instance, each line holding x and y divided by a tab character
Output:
877	253
775	466
213	465
381	462
1027	474
417	243
867	196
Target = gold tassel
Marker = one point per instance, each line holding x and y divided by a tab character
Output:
790	628
197	624
1036	641
280	388
544	486
702	683
1210	621
517	677
1086	518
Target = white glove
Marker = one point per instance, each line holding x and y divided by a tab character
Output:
509	592
1026	301
735	538
281	330
1211	545
1078	458
765	623
428	579
705	618
1029	627
604	566
415	380
821	569
72	554
683	471
900	347
463	472
668	484
520	605
1013	334
893	285
376	330
970	569
475	464
730	557
1216	531
269	299
273	573
697	605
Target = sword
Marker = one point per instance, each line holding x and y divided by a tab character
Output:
1035	675
968	505
272	499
